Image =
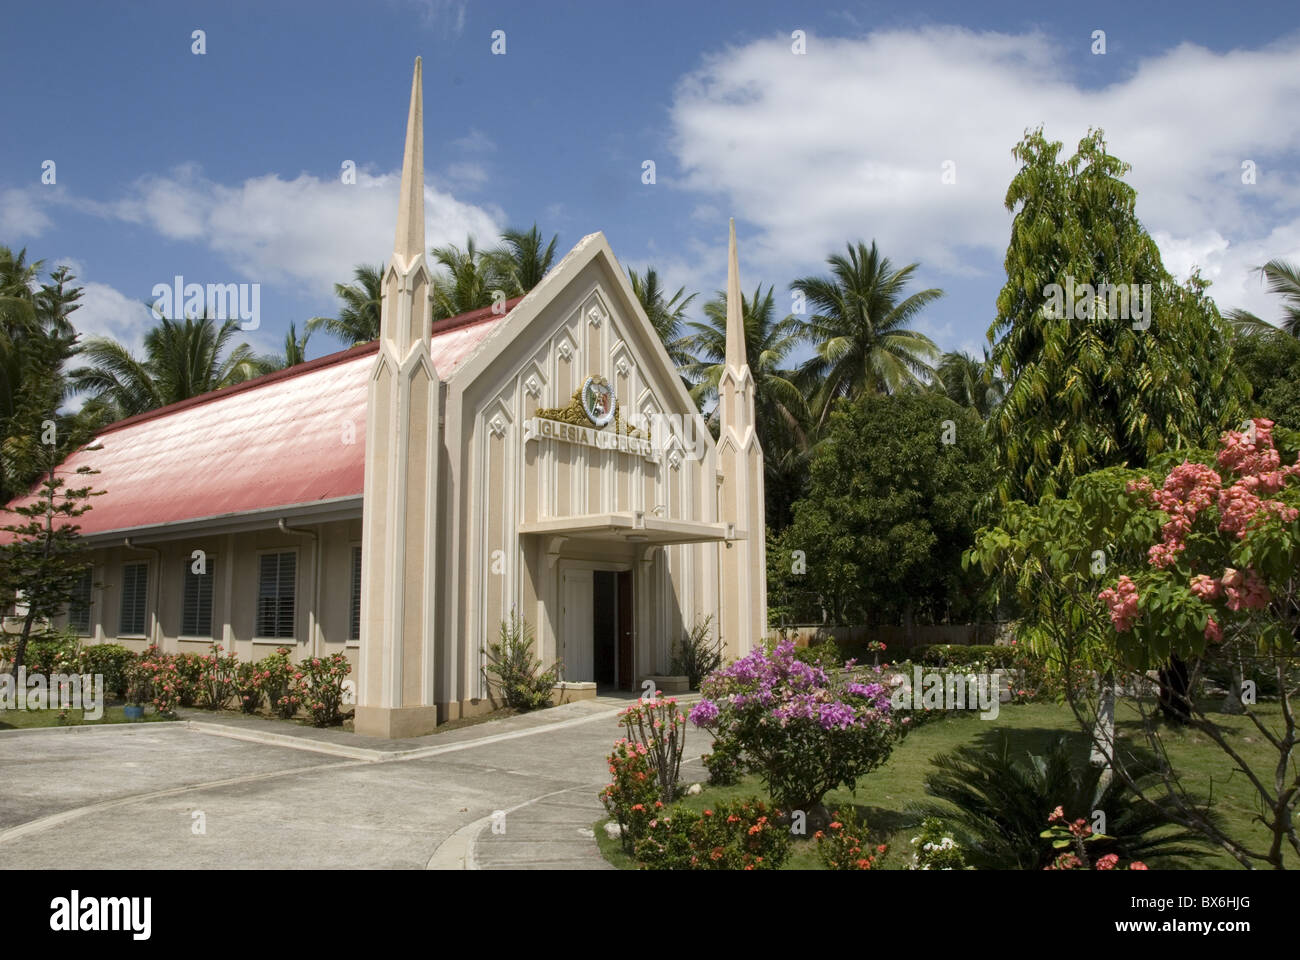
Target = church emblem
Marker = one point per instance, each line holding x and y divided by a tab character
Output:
598	401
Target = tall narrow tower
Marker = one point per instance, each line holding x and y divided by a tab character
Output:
741	498
395	680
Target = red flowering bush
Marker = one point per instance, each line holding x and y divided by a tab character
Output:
1228	548
740	835
275	676
659	727
632	796
843	845
318	684
1072	839
248	687
157	679
218	680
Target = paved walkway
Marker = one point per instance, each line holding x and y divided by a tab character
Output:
242	792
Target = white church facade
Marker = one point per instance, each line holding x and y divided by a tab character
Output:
398	500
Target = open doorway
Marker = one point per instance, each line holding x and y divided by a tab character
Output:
596	627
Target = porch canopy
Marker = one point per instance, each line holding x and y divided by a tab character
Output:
632	526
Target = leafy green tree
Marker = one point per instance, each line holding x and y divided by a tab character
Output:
36	341
522	261
45	557
666	313
1284	280
358	319
861	329
889	510
779	407
1091	381
1270	360
182	359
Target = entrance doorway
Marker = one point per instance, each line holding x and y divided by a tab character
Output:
596	626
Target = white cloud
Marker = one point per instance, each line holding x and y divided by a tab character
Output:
306	230
106	312
21	215
848	142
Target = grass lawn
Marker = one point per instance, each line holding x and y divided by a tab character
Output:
885	797
31	719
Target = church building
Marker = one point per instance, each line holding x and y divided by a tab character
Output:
399	500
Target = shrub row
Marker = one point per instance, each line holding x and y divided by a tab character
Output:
215	680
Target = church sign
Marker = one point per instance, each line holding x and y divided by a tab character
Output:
544	428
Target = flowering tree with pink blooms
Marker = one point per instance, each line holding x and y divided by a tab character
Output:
1186	562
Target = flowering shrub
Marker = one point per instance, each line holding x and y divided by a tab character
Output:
110	660
318	684
843	844
631	797
275	676
1073	840
248	687
935	849
47	654
190	668
657	726
218	680
735	836
806	729
157	678
726	764
1230	545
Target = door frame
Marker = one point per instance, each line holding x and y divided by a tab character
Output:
611	566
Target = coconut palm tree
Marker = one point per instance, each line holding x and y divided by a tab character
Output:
1284	280
666	314
182	359
860	329
779	407
969	382
467	281
295	352
358	320
521	260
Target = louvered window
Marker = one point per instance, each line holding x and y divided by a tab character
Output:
196	604
79	605
354	630
135	591
277	582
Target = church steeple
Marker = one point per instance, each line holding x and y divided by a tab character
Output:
743	608
736	358
400	586
409	242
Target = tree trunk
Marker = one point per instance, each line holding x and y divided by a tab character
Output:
20	651
1103	746
1175	697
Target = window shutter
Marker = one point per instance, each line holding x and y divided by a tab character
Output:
354	631
135	589
196	608
79	606
277	582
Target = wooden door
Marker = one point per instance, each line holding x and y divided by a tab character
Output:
576	626
626	671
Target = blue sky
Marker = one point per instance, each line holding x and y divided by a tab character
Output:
225	167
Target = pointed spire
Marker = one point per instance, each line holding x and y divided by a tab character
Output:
736	358
409	242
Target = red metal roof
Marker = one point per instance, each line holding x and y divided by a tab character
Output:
278	440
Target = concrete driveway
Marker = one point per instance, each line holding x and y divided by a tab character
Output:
514	793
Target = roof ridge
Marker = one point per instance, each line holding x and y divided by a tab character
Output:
445	325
